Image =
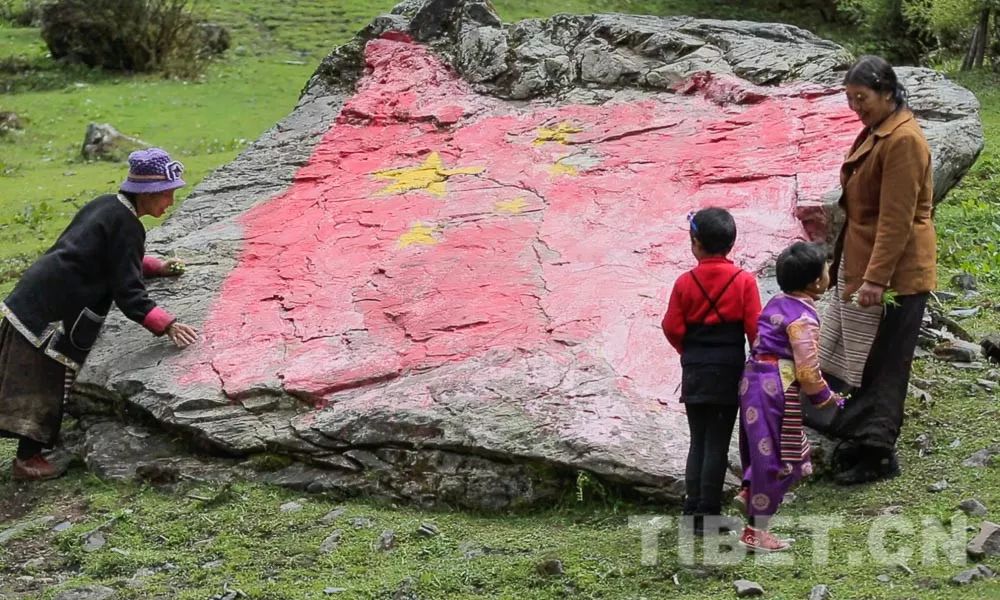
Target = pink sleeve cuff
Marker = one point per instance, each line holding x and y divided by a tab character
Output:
157	320
152	266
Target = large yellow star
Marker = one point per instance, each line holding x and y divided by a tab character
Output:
418	234
559	134
430	176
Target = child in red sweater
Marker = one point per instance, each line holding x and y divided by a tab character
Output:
712	314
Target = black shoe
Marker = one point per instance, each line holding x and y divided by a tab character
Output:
876	465
846	456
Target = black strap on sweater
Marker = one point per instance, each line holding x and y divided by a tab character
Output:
713	303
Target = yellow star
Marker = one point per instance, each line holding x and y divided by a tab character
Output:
561	168
560	134
513	207
418	234
429	176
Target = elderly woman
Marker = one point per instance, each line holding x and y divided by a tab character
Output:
55	313
887	243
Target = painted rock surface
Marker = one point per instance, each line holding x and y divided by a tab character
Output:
441	279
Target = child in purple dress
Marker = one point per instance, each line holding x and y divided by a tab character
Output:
784	361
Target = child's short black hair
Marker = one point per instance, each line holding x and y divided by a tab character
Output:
715	228
799	265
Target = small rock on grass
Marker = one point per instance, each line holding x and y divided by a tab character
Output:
973	507
980	459
291	507
883	578
332	516
95	541
746	588
428	530
386	541
819	592
89	592
12	532
331	542
986	542
938	486
550	567
333	590
969	575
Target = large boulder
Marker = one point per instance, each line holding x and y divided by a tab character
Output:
440	278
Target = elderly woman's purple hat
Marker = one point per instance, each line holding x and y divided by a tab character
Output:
151	171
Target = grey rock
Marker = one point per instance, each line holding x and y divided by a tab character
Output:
213	564
964	282
991	347
406	590
986	543
386	541
61	527
290	507
819	592
332	542
12	532
981	458
955	443
973	507
89	592
9	121
334	590
746	588
103	141
505	429
333	515
958	351
94	541
883	578
924	444
963	313
361	523
428	530
550	567
970	575
938	486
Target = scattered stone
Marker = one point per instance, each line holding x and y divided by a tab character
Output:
471	550
964	282
884	578
973	507
333	515
89	592
94	541
820	592
893	509
103	142
746	588
988	385
550	567
980	458
928	583
958	351
361	522
968	576
11	533
9	121
955	443
34	563
406	590
291	507
428	530
938	486
986	543
924	444
969	366
386	541
332	590
945	296
213	564
991	347
963	313
331	542
62	527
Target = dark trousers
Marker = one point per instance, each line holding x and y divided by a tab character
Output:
873	415
711	427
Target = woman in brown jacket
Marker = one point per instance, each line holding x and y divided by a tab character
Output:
887	243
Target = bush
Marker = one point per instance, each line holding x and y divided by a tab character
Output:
127	35
893	29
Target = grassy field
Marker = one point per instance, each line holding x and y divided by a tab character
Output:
170	545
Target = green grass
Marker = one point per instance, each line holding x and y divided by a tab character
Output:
269	554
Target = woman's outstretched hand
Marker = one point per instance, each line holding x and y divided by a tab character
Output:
870	294
182	335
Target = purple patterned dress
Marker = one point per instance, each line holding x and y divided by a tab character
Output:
785	359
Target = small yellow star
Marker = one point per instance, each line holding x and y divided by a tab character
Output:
513	207
418	234
430	176
561	168
560	134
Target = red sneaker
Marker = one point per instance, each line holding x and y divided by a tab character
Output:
742	500
36	468
759	540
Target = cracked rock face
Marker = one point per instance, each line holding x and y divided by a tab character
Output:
441	278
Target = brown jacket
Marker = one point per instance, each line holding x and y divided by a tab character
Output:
888	237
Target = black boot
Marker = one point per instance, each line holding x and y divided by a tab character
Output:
875	464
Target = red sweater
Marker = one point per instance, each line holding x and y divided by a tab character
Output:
688	304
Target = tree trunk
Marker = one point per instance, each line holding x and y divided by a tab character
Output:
977	48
